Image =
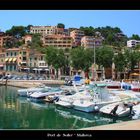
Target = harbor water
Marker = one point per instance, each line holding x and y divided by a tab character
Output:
20	113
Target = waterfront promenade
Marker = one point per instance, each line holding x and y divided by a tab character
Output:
128	125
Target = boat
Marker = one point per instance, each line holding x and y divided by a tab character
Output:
135	87
41	95
27	91
77	80
100	98
113	85
67	101
136	111
120	111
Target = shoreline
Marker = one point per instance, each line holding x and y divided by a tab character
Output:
30	83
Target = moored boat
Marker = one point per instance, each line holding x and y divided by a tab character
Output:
116	109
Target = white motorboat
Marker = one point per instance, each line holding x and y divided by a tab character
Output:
120	110
64	103
26	91
40	96
100	98
67	101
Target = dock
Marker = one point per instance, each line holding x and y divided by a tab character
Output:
128	125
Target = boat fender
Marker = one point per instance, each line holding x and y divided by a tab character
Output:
96	108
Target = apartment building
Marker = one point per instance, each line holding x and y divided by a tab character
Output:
133	43
11	59
37	63
44	30
77	35
59	41
23	58
91	41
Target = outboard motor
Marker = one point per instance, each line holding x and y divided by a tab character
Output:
70	83
56	98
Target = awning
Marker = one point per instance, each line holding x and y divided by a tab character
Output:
47	69
35	69
39	69
23	62
10	59
26	68
14	59
134	74
6	59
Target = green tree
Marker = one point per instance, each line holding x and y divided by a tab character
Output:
60	25
55	57
87	30
27	29
135	36
16	31
104	56
81	59
36	42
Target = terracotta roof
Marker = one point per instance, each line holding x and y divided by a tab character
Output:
13	49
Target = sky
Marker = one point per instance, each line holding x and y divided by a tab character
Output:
127	20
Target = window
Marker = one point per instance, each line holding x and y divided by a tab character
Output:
24	58
15	53
24	53
6	54
41	57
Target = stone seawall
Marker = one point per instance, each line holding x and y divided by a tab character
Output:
31	83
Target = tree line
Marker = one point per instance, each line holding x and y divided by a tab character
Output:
82	59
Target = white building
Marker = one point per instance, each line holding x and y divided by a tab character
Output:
90	41
44	30
76	35
133	43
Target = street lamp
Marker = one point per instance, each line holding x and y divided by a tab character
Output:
94	73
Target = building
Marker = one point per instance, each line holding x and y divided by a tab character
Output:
11	59
77	35
1	40
59	41
37	63
91	41
23	58
133	43
27	38
44	30
2	60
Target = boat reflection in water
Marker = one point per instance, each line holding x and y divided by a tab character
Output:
89	118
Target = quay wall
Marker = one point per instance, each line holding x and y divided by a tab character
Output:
31	83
